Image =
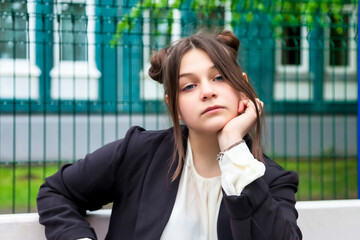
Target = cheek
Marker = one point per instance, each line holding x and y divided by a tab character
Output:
186	111
235	101
182	109
232	93
235	97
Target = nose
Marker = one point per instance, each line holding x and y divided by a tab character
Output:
207	92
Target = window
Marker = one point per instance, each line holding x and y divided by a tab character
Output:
290	50
73	33
293	50
14	25
340	57
74	75
18	72
292	65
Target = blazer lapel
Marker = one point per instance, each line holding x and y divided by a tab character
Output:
158	195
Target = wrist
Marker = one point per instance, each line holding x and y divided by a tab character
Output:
233	145
221	154
225	141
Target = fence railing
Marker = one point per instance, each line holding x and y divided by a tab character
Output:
67	87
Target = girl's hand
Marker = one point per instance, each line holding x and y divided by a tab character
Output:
239	126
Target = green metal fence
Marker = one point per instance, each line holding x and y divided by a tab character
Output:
73	77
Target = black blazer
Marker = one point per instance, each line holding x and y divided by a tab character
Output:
133	173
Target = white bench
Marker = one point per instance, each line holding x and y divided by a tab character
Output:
335	219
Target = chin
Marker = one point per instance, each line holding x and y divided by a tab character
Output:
210	125
215	127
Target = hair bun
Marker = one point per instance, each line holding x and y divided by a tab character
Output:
229	39
156	61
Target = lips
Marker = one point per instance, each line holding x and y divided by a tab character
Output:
212	108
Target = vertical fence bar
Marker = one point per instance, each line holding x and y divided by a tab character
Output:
103	85
346	161
29	119
44	102
74	45
358	127
130	100
309	156
58	113
14	118
116	100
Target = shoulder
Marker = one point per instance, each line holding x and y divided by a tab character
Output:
138	140
131	156
141	135
137	130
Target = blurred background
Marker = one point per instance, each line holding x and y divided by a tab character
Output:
73	77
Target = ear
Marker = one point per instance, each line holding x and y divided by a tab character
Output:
242	95
167	99
245	76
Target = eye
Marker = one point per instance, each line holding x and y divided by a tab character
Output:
188	87
219	78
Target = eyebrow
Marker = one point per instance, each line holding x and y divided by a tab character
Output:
212	68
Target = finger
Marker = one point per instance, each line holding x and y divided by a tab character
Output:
260	105
250	105
245	105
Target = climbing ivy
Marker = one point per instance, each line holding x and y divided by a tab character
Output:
290	12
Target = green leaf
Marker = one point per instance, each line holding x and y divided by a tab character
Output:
336	8
337	17
261	7
339	30
176	4
312	7
195	4
163	3
303	7
324	7
135	12
249	16
309	19
278	18
211	4
147	4
122	25
114	41
236	16
233	5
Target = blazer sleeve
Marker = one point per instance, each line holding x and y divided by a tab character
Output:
87	184
266	207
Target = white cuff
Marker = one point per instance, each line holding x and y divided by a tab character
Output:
238	169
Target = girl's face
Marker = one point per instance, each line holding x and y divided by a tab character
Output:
207	101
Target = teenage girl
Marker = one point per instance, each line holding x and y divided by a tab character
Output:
205	178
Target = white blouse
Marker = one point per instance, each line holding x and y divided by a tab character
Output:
197	204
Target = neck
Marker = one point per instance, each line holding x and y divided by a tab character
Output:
205	147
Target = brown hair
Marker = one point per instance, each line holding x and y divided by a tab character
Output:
222	49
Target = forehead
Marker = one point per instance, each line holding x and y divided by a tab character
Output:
195	60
